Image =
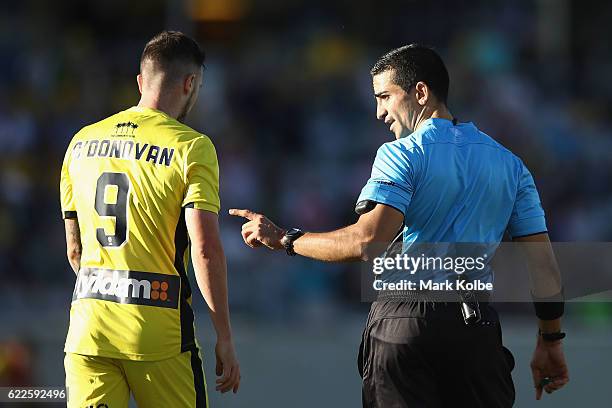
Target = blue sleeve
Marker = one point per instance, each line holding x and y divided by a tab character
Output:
391	181
527	215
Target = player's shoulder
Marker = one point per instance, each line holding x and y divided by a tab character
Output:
195	139
95	127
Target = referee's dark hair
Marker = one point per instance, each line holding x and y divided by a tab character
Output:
413	63
169	50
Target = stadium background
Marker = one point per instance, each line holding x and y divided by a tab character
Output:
287	101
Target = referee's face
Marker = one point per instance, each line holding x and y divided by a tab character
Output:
394	105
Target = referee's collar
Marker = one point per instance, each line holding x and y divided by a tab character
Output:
442	123
438	122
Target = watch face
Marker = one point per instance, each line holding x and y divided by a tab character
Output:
293	232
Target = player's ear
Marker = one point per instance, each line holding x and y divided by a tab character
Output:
139	81
422	93
190	82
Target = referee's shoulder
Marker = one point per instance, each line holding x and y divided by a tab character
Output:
494	143
415	140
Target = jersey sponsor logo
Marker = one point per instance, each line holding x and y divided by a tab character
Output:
125	129
128	287
123	149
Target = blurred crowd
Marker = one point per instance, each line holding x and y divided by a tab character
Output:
287	101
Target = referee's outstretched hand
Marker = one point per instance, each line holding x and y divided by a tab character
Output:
548	367
259	230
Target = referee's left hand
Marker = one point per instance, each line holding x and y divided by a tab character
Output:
548	367
259	230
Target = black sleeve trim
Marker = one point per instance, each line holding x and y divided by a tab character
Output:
530	235
69	214
365	206
188	205
378	202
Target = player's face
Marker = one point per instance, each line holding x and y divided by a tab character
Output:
396	107
192	96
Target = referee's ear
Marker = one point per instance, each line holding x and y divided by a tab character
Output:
422	93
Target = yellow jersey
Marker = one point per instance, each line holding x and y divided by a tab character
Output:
127	179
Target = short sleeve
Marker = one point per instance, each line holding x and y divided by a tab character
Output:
202	176
527	215
391	181
66	197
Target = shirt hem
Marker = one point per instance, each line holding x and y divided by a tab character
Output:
123	355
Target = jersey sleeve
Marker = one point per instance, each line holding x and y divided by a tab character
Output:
391	182
66	197
527	215
202	177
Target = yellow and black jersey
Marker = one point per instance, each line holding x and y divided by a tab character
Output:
127	179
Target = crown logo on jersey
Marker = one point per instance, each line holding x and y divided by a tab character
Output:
125	128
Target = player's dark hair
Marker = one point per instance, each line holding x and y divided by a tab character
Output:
168	48
413	63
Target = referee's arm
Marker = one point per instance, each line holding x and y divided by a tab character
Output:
548	366
357	242
545	279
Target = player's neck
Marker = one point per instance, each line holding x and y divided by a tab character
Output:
153	102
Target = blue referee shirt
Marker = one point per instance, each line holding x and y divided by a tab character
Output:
454	183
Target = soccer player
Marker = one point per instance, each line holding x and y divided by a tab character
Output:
440	181
139	189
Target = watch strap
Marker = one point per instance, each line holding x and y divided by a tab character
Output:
289	238
551	337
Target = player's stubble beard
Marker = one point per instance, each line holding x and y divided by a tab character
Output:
187	107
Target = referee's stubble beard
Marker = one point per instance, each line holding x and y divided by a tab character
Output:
403	111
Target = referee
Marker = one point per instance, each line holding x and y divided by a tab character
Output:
439	181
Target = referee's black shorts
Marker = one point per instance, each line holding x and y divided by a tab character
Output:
421	354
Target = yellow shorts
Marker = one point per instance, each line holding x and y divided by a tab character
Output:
103	382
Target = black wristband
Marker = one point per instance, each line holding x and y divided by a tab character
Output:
549	308
551	337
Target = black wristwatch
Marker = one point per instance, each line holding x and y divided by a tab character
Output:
551	336
288	239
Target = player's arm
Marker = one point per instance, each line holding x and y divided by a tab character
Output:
548	360
359	241
73	243
211	275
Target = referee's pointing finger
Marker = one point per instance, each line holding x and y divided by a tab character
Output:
248	214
